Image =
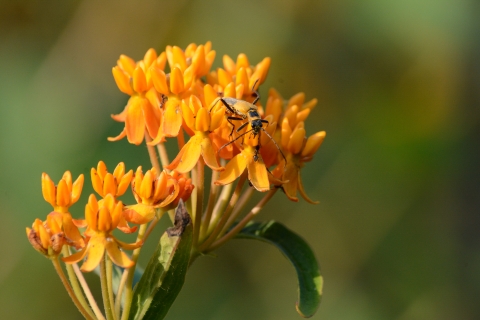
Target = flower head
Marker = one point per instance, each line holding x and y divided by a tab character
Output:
102	218
107	183
46	237
154	191
65	194
201	122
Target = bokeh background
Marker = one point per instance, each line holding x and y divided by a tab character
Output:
397	229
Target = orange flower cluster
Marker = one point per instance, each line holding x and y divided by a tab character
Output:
215	108
154	192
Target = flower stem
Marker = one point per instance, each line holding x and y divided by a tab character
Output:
109	267
238	209
212	198
75	285
219	209
162	151
88	293
197	218
235	230
226	214
88	314
105	293
131	271
152	154
121	286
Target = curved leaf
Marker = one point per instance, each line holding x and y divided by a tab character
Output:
310	281
164	275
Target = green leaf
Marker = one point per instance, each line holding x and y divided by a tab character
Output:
165	273
310	281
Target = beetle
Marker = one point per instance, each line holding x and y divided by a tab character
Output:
244	110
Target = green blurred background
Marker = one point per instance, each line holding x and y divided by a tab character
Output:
397	229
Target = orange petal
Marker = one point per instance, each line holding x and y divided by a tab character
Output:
209	155
296	141
176	81
188	116
297	99
313	143
139	213
179	58
286	132
172	117
139	80
122	135
48	189
217	117
126	63
229	64
258	175
202	121
104	219
150	56
124	183
161	190
303	193
310	104
119	171
224	78
290	188
63	194
146	186
129	246
152	120
71	231
303	115
233	170
77	188
188	77
96	182
242	61
159	80
135	123
122	80
190	155
210	96
177	159
67	176
96	250
76	257
118	257
230	90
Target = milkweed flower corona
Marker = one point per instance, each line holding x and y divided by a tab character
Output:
230	147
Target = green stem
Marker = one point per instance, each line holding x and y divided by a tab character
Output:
105	293
88	314
197	218
109	267
162	151
75	285
152	154
121	286
87	292
222	202
235	230
131	271
212	198
238	209
226	214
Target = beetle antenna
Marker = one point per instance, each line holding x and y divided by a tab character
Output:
273	140
255	92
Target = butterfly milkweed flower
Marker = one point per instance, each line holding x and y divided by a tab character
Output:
102	218
249	158
61	197
298	150
142	111
47	237
201	122
154	191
